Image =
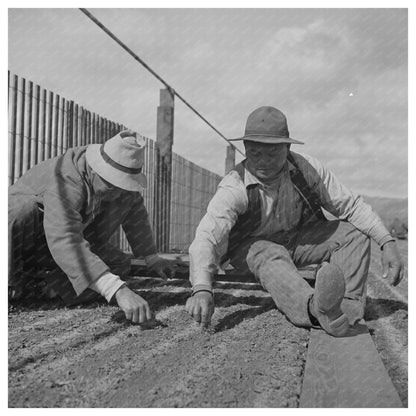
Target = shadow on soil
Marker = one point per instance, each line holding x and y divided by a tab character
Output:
381	308
233	319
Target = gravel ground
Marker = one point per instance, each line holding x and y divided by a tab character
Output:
251	356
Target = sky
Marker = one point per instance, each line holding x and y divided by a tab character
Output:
339	75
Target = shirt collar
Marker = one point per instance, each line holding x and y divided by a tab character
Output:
250	179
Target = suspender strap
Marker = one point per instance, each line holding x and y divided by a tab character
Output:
248	221
304	189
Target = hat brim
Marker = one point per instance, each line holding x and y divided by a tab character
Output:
129	182
267	139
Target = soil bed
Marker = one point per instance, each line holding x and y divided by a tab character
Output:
251	356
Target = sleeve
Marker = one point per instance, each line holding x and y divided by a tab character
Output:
138	230
341	202
211	238
64	234
107	285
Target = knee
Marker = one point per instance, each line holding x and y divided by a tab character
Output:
361	240
354	236
264	251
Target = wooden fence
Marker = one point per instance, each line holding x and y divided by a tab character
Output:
43	124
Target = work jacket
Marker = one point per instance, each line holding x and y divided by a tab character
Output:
62	188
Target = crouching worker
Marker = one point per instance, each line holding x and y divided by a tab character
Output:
62	214
266	218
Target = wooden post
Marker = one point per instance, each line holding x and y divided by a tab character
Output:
164	142
229	159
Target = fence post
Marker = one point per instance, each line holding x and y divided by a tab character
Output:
162	194
229	159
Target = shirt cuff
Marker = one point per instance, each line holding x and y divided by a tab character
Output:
199	288
379	233
107	285
385	240
201	279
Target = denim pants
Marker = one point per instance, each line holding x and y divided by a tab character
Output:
274	262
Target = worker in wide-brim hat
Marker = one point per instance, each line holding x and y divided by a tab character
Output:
63	212
266	219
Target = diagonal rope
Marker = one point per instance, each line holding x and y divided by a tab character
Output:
138	59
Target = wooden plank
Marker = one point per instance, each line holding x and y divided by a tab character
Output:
230	275
346	372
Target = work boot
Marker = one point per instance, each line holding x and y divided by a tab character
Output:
325	304
354	309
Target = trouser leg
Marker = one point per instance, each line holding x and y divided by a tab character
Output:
272	265
24	226
339	243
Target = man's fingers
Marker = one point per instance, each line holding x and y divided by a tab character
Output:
162	274
136	316
129	315
142	314
398	277
385	269
149	314
190	306
197	314
394	272
205	319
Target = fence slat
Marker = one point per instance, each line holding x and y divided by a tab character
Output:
27	126
21	90
34	137
55	125
12	126
42	126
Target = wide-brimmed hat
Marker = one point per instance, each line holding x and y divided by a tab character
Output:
267	125
120	160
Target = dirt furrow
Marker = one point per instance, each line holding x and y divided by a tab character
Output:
71	369
29	321
246	364
69	339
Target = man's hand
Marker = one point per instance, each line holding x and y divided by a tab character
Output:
134	306
201	307
163	267
393	267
